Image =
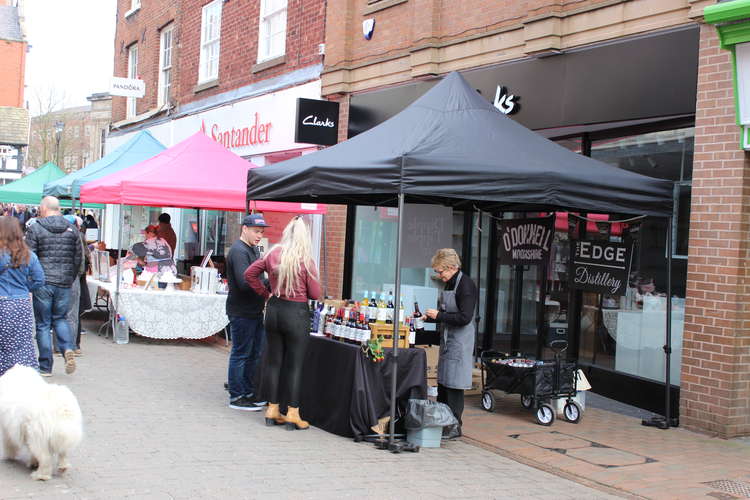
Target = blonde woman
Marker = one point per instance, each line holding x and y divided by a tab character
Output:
457	303
293	280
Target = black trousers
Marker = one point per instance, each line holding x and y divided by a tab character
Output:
287	332
454	398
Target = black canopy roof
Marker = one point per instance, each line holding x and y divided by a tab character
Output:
452	147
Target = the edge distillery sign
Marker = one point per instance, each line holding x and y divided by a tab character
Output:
317	122
525	241
600	266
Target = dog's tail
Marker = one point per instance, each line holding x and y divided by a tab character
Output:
66	432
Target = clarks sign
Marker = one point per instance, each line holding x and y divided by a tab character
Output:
525	241
600	266
317	122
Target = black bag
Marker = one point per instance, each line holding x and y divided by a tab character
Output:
423	413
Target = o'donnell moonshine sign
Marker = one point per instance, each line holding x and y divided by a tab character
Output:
525	241
600	266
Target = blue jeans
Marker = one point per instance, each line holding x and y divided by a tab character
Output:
248	338
50	308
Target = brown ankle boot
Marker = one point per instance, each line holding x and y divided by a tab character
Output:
293	420
273	416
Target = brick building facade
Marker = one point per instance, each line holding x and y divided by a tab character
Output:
526	44
14	117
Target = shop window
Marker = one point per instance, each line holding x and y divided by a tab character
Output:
272	30
132	73
210	47
626	334
165	64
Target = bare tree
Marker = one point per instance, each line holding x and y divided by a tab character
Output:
46	112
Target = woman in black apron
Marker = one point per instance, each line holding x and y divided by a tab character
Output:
455	315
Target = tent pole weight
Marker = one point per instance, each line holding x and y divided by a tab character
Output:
666	421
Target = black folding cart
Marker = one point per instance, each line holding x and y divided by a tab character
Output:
538	383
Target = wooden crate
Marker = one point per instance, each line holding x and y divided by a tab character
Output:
386	331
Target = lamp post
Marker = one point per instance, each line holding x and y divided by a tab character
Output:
59	127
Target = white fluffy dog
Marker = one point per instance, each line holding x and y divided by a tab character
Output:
44	418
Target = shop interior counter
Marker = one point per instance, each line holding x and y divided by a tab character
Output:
345	393
169	314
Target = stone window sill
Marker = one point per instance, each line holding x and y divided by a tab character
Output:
378	5
131	12
206	85
270	63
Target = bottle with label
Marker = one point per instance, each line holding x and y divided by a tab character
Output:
412	332
401	313
321	318
418	321
314	316
365	302
382	309
336	330
122	330
390	310
329	322
373	308
364	329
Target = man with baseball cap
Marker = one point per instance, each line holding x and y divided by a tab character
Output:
245	311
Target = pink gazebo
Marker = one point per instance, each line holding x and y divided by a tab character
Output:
195	173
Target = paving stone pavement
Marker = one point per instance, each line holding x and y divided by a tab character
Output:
157	426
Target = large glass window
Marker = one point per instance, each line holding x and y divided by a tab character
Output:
627	334
132	73
210	34
165	64
272	32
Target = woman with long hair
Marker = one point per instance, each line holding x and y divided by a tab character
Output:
20	274
293	280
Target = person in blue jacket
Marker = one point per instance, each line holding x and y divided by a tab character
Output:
20	274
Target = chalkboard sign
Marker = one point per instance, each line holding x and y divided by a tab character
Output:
525	241
427	228
600	266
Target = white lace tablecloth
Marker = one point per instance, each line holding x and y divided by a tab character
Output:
174	314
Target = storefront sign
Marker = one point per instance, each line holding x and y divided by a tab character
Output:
600	266
127	87
317	122
525	241
507	104
254	133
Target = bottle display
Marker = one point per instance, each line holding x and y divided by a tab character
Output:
373	308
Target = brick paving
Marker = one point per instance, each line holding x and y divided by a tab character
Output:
614	450
157	426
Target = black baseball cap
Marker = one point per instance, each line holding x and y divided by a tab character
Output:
254	220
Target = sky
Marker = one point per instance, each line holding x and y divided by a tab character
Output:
72	50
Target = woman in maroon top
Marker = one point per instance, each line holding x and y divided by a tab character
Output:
293	280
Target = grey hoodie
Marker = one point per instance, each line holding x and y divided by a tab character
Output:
57	244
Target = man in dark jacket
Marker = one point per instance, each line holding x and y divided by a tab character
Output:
245	311
57	244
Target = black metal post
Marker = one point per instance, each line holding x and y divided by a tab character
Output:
396	322
665	422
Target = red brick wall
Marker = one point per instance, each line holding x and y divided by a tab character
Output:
715	393
305	27
144	28
12	64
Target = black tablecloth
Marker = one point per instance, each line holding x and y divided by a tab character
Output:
345	393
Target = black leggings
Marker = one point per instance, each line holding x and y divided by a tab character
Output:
287	327
454	398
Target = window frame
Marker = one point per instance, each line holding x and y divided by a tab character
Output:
204	65
264	37
131	109
164	88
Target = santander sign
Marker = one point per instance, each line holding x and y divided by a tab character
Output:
255	133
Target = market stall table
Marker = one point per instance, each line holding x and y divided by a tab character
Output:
170	314
345	393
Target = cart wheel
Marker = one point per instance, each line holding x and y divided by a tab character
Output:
572	412
545	415
527	401
488	401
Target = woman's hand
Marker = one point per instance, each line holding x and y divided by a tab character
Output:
431	313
